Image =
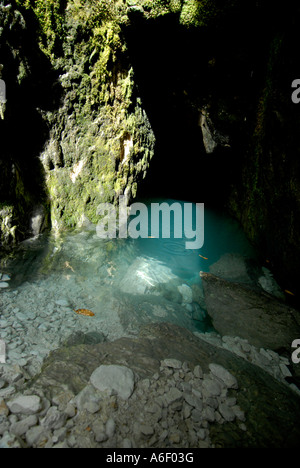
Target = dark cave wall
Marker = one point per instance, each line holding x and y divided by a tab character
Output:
238	71
266	195
30	83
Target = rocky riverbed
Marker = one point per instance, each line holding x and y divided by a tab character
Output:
147	370
166	388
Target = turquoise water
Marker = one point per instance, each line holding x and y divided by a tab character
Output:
126	283
222	235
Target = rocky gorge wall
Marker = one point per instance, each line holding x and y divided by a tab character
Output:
108	98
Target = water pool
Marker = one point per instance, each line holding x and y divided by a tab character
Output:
125	283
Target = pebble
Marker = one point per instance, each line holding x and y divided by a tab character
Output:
25	404
228	379
267	359
226	412
173	363
211	387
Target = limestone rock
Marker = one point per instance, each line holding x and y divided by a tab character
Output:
25	404
256	316
115	379
228	379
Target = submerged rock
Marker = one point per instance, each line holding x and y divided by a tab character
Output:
145	274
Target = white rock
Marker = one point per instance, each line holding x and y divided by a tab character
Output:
115	379
211	388
110	427
174	395
285	371
198	373
5	278
25	404
21	427
4	285
54	419
208	414
226	412
173	363
221	373
186	292
62	303
37	435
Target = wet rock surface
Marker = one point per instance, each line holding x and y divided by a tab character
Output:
254	315
182	391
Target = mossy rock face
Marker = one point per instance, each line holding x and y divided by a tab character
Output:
97	140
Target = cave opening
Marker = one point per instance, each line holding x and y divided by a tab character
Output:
180	72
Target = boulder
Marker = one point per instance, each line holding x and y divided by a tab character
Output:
258	317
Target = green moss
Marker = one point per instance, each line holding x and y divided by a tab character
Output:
8	225
99	112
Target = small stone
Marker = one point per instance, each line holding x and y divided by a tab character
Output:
4	411
173	363
87	395
243	427
211	387
175	438
230	401
99	431
221	373
152	408
198	373
208	414
37	437
212	402
115	379
21	427
284	370
266	354
4	285
193	401
127	443
147	430
186	293
173	396
62	303
202	433
110	427
246	347
60	434
196	415
186	411
9	441
226	412
54	419
92	407
238	413
4	278
7	392
25	404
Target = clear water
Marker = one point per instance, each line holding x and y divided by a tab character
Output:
126	283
